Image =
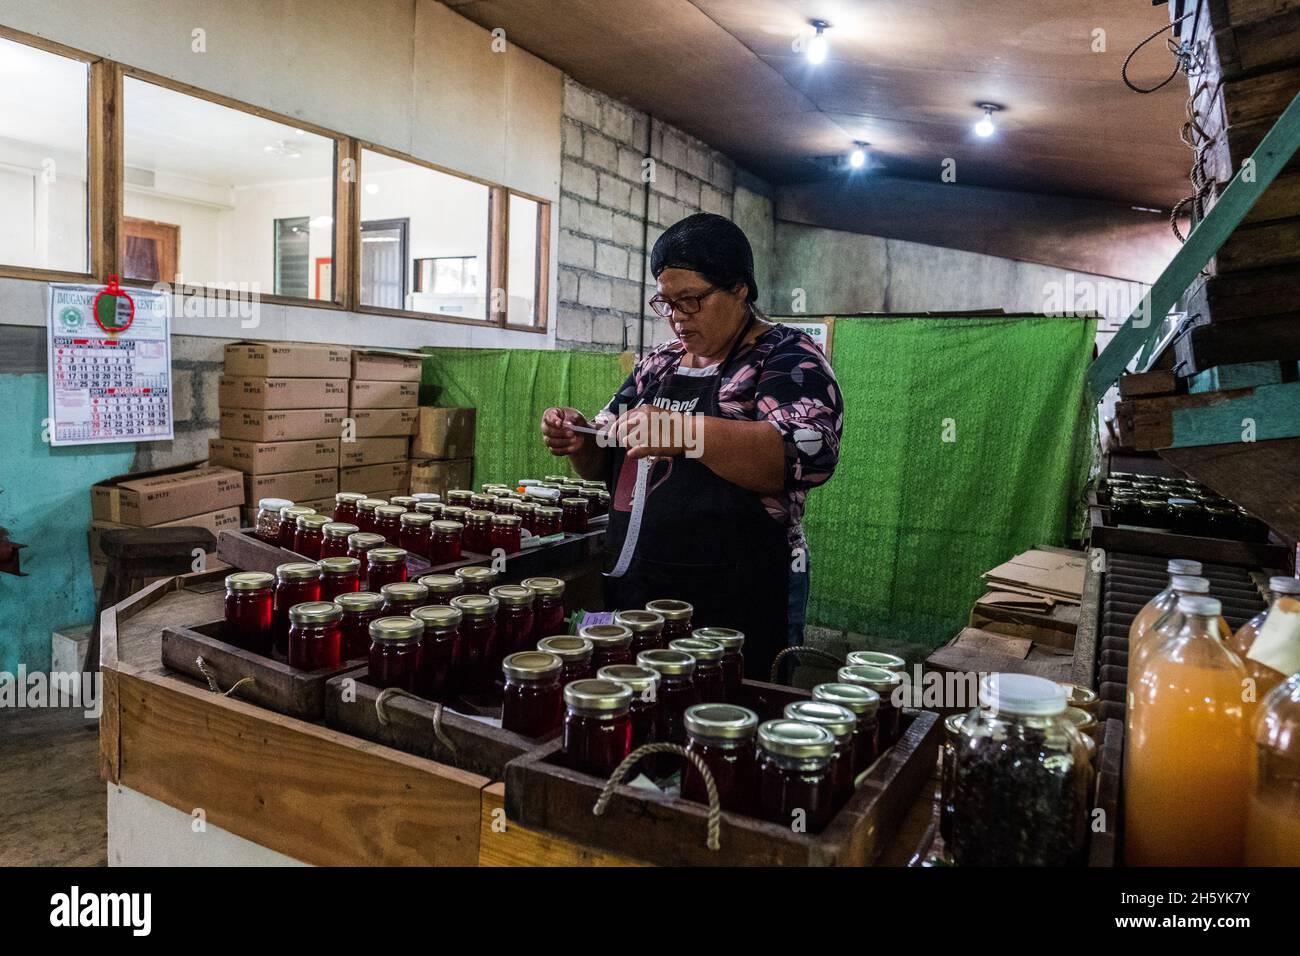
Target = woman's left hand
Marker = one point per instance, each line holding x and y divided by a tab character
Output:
649	431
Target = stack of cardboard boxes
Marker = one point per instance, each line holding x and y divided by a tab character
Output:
442	452
382	403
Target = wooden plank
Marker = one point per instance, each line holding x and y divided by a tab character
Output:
1246	295
1083	669
1165	545
1273	411
506	843
311	793
1139	384
1268	338
1103	846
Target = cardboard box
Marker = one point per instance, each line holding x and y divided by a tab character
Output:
296	424
365	394
294	485
381	365
288	360
1042	620
246	392
227	519
372	451
157	497
271	457
372	478
438	476
444	433
377	422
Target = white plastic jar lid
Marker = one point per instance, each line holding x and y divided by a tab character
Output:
1022	694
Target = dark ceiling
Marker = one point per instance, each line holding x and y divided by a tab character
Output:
902	75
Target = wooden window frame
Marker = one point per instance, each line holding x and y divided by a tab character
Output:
542	283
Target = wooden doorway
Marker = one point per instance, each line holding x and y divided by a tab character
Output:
152	250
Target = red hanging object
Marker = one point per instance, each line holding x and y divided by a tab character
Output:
114	292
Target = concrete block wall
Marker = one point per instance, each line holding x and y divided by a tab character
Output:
607	223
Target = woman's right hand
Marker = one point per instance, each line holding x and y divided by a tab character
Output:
557	435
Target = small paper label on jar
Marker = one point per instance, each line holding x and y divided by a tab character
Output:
1278	644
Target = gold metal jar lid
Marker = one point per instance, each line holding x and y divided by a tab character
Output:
315	612
551	587
437	617
668	663
591	494
348	497
888	662
952	724
671	610
389	511
481	502
476	574
339	565
478	516
476	605
448	527
568	647
594	696
296	571
312	522
640	622
531	666
357	601
370	504
1083	721
699	649
249	581
455	512
427	496
417	519
878	679
406	501
513	594
339	529
573	503
592	483
607	636
1085	698
642	680
431	508
404	592
507	521
729	638
459	495
520	507
365	540
863	701
837	719
395	629
442	583
549	511
795	738
386	555
558	479
720	721
294	512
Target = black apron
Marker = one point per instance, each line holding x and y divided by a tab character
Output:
703	539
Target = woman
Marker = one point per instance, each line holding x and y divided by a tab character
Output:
711	445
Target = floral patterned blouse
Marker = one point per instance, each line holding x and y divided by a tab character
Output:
782	378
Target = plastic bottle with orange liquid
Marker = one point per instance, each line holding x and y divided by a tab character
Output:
1163	602
1273	820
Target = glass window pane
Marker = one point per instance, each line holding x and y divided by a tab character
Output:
424	239
43	159
521	279
218	197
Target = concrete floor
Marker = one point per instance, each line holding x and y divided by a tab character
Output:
53	809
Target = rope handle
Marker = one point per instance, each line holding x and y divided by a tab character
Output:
212	683
797	651
710	788
388	693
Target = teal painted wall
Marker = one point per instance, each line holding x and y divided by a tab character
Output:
45	504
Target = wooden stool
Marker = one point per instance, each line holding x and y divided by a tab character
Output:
135	554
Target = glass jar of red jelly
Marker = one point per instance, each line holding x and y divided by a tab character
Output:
647	629
864	702
645	698
597	726
455	513
310	534
548	605
477	536
477	579
506	533
592	497
515	620
267	525
573	515
289	523
427	498
793	773
709	681
841	722
405	502
431	508
478	640
338	576
345	506
315	636
604	498
549	520
415	533
532	703
440	651
445	541
612	644
527	512
459	497
366	513
888	662
388	522
295	583
359	545
502	504
883	682
677	617
249	610
384	566
733	658
442	587
676	690
482	502
334	540
722	735
395	653
573	651
403	597
359	609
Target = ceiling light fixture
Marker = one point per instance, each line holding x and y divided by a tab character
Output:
372	188
985	127
817	46
858	157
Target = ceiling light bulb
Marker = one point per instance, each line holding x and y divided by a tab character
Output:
372	188
984	127
858	158
817	45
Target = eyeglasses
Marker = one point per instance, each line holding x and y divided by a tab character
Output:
685	304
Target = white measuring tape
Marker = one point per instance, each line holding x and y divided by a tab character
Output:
634	519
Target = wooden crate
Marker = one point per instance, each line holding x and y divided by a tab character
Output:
541	794
1113	538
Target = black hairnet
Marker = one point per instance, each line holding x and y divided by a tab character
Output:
711	245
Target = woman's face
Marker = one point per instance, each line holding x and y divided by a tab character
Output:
722	311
